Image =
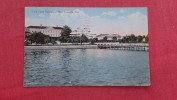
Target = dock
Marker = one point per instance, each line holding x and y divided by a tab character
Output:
130	47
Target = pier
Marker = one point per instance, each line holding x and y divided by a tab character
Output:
116	46
130	47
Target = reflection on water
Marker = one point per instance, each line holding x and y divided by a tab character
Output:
66	67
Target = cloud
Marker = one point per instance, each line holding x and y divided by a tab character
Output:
137	15
121	17
122	11
109	13
134	23
73	18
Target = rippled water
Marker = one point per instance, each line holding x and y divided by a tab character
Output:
90	67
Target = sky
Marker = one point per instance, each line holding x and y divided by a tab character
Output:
122	21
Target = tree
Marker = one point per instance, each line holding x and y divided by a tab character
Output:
146	39
139	39
95	39
83	38
38	38
105	38
65	34
114	38
120	40
47	39
126	39
132	38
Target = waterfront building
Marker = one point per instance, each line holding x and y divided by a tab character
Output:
77	34
53	32
101	36
108	36
79	31
91	36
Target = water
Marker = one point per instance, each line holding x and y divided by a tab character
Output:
86	67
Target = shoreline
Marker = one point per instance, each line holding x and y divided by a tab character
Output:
124	46
63	47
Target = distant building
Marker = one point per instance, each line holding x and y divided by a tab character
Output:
77	34
108	36
47	30
79	31
101	36
91	36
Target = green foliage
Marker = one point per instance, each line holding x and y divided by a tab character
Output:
134	39
65	34
27	42
105	38
92	41
95	39
146	39
38	38
139	38
114	38
74	39
84	38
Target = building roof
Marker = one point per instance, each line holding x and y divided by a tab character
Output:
102	35
38	27
43	27
57	27
108	35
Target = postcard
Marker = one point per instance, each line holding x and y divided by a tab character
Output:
85	46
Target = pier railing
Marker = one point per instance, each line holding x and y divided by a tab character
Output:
124	46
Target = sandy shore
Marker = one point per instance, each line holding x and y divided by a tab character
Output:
63	47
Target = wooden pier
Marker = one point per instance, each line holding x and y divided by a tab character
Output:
130	47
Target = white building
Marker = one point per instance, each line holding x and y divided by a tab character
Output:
91	36
108	36
47	30
86	31
101	36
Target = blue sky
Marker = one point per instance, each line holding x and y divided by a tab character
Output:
121	21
